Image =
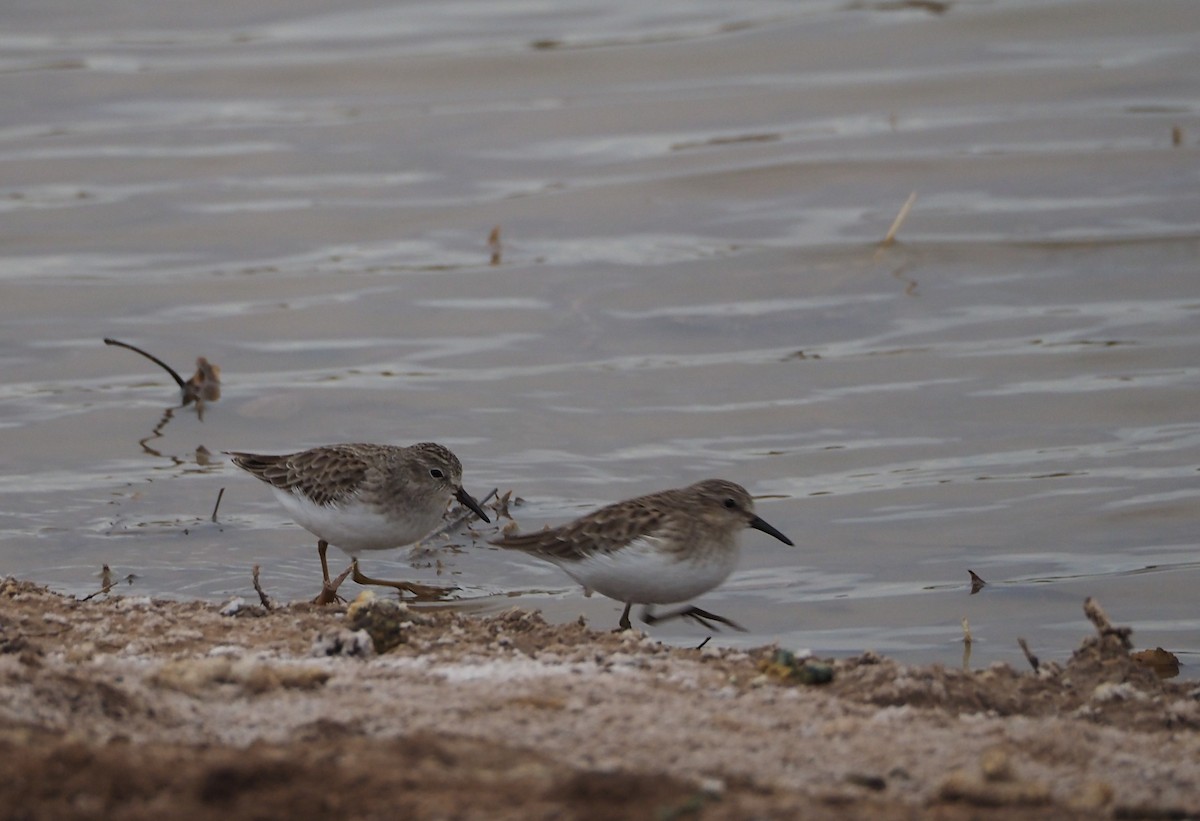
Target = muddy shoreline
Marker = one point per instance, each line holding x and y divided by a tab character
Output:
126	707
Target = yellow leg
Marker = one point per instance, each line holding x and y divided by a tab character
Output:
328	594
322	546
422	592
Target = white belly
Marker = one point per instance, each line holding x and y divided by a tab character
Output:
641	575
357	527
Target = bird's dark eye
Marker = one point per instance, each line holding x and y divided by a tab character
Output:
730	504
437	473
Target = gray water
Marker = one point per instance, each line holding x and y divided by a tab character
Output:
691	198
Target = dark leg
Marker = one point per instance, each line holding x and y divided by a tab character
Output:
422	592
701	617
624	623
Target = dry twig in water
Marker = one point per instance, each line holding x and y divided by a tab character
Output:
262	594
977	582
107	583
174	375
967	644
910	284
203	386
890	237
220	493
501	505
1029	656
461	515
494	245
1097	616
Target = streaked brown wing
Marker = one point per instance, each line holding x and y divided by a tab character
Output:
603	531
325	476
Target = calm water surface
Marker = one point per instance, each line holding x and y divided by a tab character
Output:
690	199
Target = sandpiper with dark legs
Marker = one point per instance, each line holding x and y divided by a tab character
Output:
360	497
662	548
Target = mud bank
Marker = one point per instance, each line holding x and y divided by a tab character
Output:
127	707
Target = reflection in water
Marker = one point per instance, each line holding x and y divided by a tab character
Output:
157	433
967	642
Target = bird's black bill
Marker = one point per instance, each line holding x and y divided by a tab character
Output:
759	524
466	499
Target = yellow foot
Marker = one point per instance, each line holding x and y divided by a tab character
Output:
329	594
420	592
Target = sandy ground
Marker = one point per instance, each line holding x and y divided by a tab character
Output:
128	707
